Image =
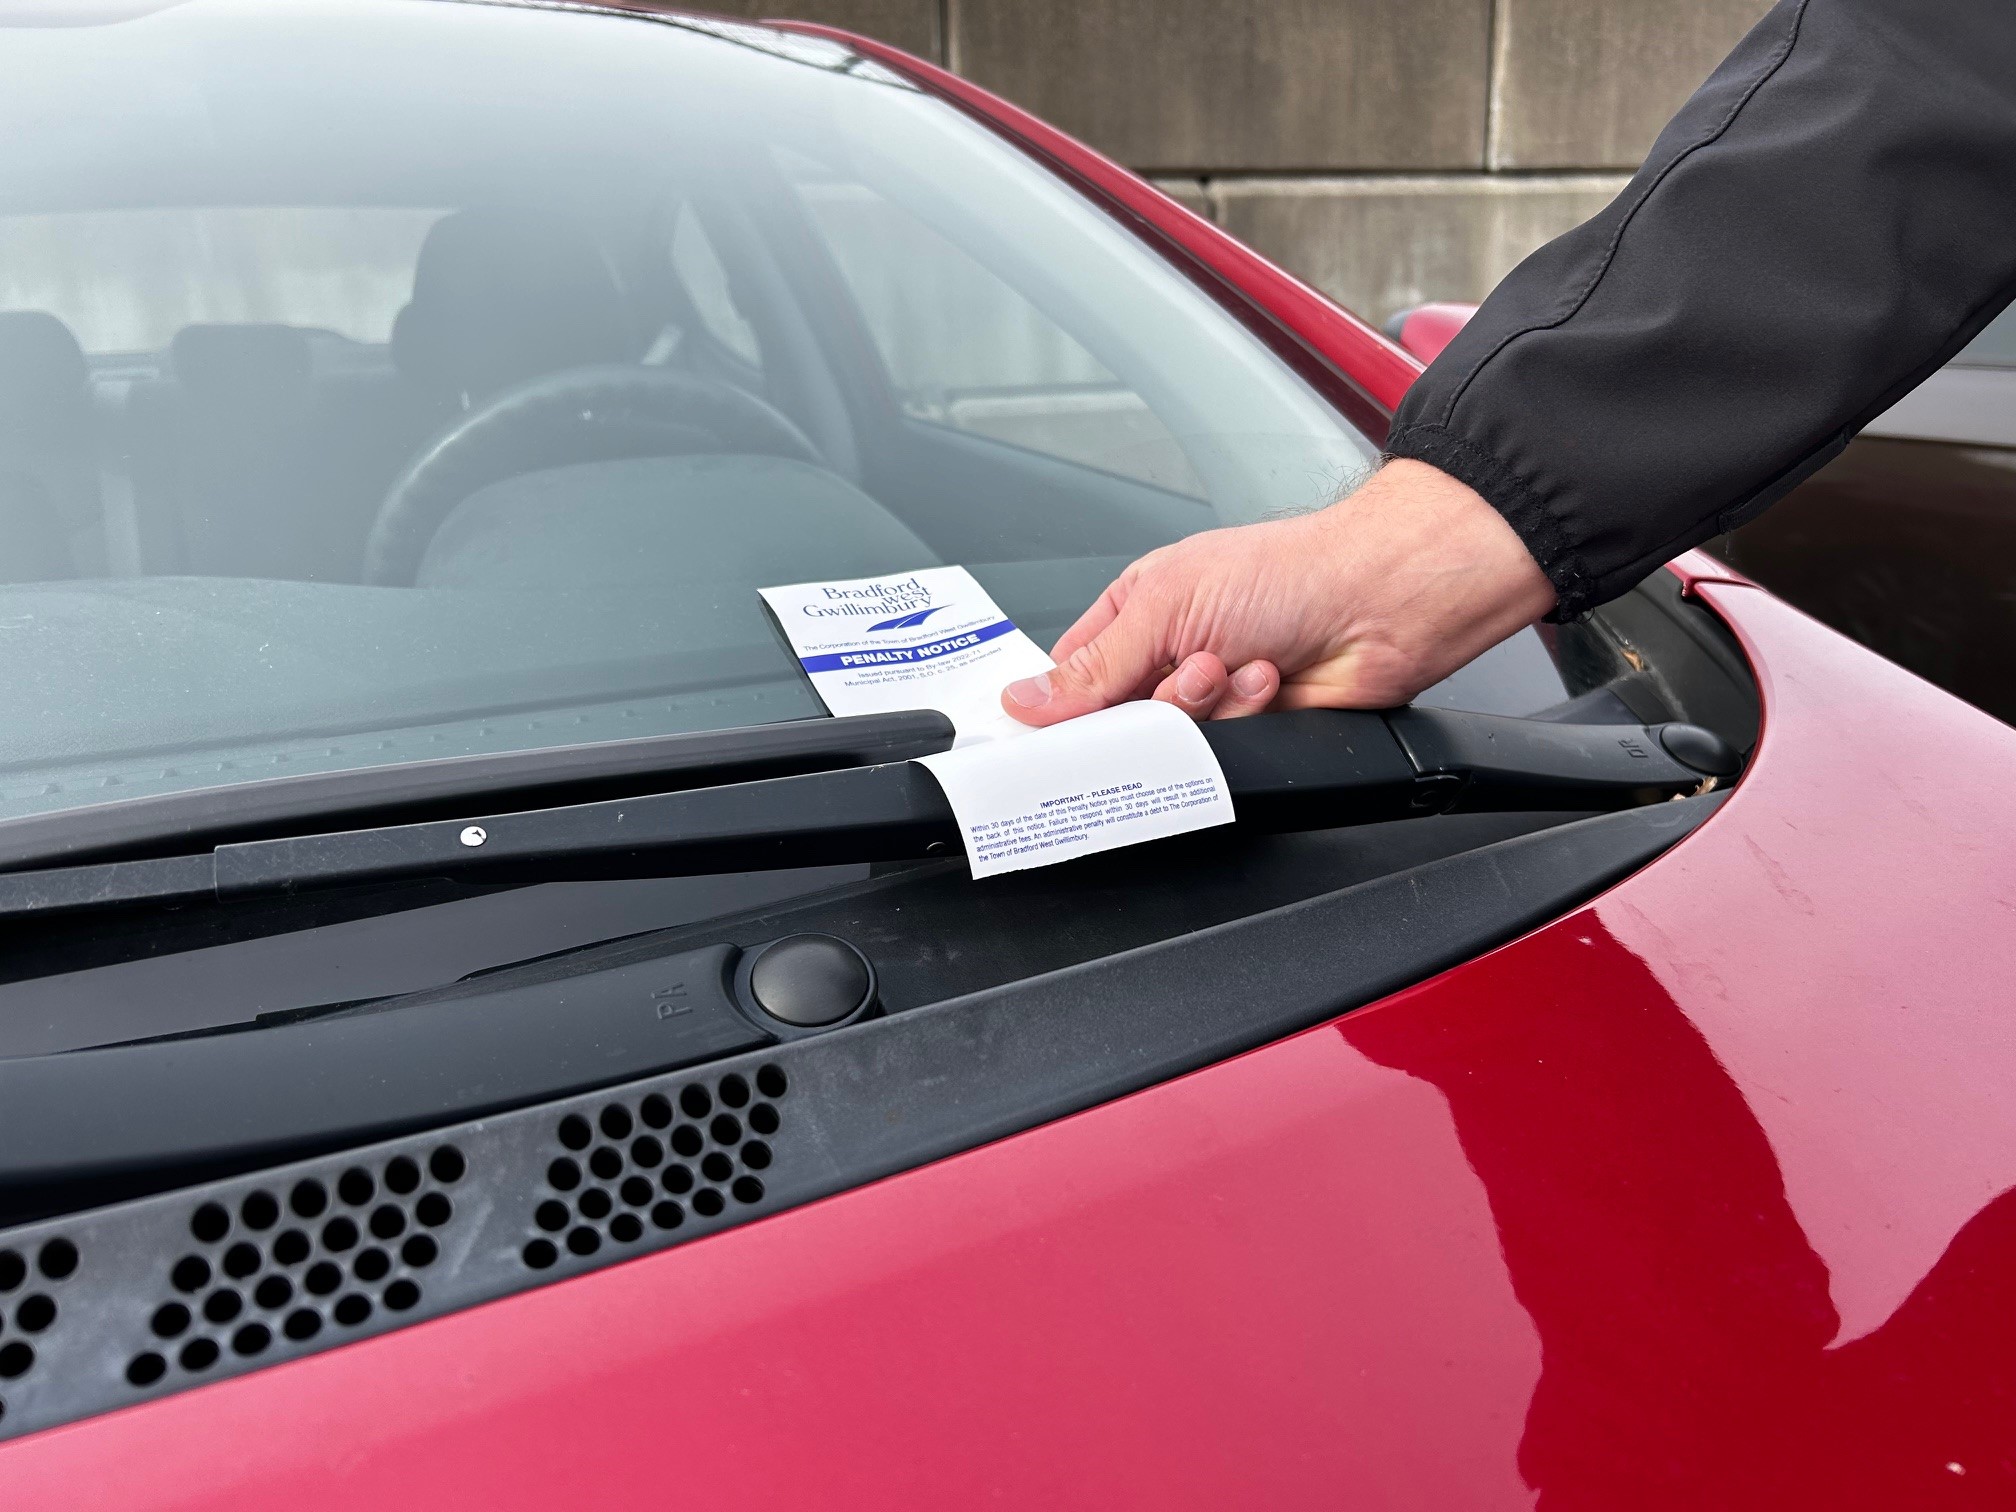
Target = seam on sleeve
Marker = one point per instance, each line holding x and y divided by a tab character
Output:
1771	66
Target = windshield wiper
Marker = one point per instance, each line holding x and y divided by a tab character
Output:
171	824
1313	769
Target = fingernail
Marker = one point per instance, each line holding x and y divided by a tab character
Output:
1250	680
1031	692
1193	684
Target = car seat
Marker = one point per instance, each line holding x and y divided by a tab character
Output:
51	521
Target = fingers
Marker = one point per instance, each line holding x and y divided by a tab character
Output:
1197	686
1250	690
1107	669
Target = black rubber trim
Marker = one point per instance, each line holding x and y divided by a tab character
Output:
462	1215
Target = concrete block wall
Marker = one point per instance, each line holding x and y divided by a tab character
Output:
1389	151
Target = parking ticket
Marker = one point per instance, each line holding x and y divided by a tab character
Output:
935	639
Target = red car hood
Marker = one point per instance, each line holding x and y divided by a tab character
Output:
1696	1197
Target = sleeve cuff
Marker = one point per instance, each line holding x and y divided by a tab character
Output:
1508	493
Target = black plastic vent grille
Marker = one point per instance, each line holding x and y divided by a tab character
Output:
631	1166
28	1305
197	1285
288	1264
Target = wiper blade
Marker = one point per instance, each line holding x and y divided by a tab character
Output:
173	824
1312	769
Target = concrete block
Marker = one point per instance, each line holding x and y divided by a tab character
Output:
1588	83
1284	85
909	24
1377	245
1191	194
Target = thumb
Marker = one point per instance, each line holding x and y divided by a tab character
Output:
1115	665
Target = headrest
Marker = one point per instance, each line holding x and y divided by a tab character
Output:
251	363
44	385
501	295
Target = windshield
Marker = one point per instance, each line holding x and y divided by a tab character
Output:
387	381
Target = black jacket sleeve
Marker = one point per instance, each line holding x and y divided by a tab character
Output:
1829	219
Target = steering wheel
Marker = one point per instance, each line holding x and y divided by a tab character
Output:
590	414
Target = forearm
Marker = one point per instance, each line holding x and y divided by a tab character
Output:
1821	226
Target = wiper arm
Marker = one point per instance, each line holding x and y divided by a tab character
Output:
1313	769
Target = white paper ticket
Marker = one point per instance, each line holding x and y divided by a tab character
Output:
934	639
916	640
1134	772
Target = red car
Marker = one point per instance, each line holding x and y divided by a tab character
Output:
474	1035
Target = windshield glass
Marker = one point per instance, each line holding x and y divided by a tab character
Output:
384	381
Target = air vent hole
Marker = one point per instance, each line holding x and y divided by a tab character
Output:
402	1175
191	1273
708	1203
198	1354
668	1215
302	1323
241	1260
309	1199
35	1313
252	1339
421	1250
756	1155
606	1163
550	1216
339	1234
16	1358
539	1254
322	1278
434	1210
274	1292
356	1187
146	1369
677	1180
352	1310
222	1305
371	1265
747	1189
695	1102
625	1229
447	1164
563	1175
646	1152
575	1133
13	1270
686	1141
210	1222
388	1222
734	1091
763	1119
171	1320
594	1203
770	1081
616	1121
291	1248
584	1241
655	1110
401	1294
717	1166
636	1191
259	1210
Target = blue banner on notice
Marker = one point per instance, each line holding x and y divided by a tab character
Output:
898	656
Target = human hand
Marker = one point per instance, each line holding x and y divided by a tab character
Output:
1358	606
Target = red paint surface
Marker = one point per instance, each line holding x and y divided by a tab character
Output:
1430	327
1698	1197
